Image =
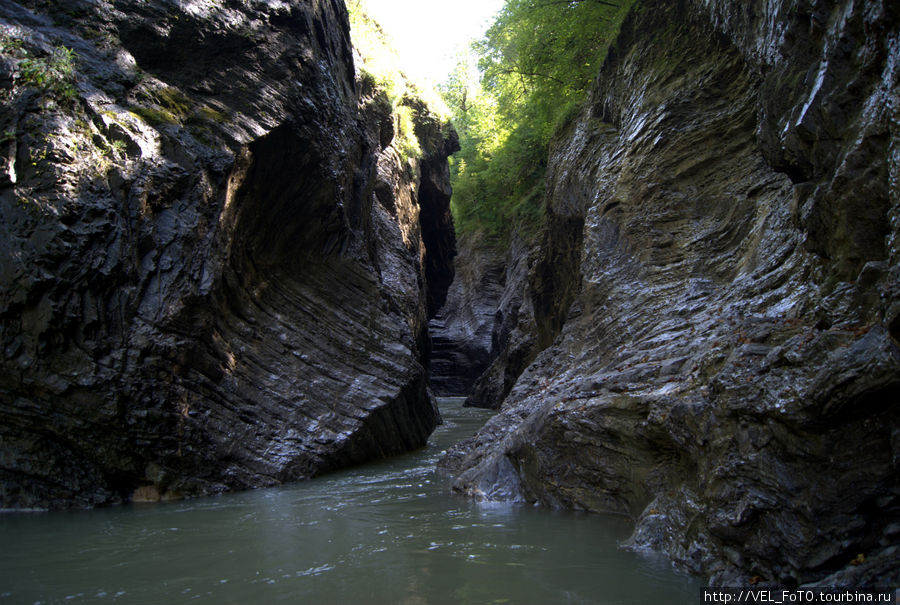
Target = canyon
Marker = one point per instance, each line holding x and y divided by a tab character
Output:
221	270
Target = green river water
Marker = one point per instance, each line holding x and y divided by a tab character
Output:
389	532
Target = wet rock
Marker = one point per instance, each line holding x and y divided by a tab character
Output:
720	361
214	276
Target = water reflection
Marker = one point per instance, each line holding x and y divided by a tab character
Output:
384	533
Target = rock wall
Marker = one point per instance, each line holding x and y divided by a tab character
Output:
503	309
728	371
463	334
213	271
514	342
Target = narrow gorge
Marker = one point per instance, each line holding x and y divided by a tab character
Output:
229	262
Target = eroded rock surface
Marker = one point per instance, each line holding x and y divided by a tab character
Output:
514	341
212	273
463	333
728	371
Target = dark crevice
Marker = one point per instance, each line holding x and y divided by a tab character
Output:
438	233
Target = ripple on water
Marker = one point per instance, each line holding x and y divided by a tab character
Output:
387	532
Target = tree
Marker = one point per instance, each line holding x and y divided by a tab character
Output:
537	62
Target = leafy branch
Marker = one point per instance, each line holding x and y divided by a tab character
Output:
537	62
55	73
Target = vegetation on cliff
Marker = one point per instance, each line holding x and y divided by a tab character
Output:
714	299
54	73
380	68
536	63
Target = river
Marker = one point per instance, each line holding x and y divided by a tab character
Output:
389	532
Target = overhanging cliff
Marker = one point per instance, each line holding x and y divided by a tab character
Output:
728	371
213	271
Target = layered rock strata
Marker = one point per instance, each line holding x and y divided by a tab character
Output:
463	333
214	274
540	283
728	371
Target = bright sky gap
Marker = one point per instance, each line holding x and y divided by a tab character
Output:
429	34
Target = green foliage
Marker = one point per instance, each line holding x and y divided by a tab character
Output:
380	62
536	64
168	105
55	73
408	143
151	115
212	114
174	101
10	45
381	71
118	148
540	56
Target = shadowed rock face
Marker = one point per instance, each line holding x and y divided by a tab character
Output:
438	234
212	276
728	371
463	334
